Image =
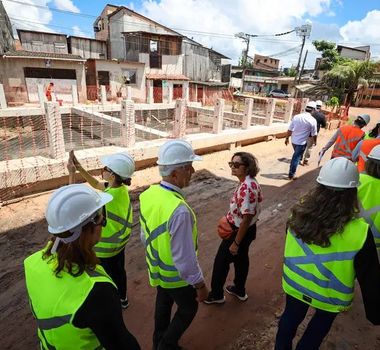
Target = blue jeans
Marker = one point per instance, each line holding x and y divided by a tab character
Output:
317	329
297	156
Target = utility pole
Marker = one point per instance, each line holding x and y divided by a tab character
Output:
304	32
303	66
246	38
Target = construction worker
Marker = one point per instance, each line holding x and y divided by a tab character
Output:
117	172
169	234
326	247
75	302
321	122
347	137
369	194
373	133
364	147
300	129
49	91
242	216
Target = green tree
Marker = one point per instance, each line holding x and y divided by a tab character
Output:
329	53
291	72
345	77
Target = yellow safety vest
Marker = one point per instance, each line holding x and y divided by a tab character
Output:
324	277
369	202
157	205
55	300
119	223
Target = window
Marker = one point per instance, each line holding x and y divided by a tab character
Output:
130	76
153	46
60	45
265	60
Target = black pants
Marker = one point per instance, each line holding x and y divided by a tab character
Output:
115	267
168	331
317	329
224	258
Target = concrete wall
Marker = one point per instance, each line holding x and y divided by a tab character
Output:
12	76
170	64
115	69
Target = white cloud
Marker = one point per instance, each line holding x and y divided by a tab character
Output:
29	17
249	16
77	31
66	5
366	29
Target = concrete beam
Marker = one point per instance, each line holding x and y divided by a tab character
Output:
269	112
179	129
218	116
247	113
103	94
41	95
3	101
289	110
55	130
74	93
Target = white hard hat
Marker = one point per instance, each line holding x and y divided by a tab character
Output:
339	173
375	153
121	164
365	117
176	152
318	103
71	206
311	104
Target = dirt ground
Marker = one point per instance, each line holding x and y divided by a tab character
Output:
234	325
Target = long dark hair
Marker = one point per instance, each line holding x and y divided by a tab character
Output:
250	161
372	168
321	213
119	181
77	256
375	131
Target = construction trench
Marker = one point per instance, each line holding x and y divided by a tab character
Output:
95	132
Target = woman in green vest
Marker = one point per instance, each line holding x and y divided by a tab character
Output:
327	247
75	302
369	194
117	172
373	133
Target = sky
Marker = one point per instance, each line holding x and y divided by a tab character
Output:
214	23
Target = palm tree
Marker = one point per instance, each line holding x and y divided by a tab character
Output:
346	78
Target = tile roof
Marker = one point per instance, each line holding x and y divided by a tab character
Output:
47	55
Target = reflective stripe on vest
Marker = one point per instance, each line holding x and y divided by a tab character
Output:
344	146
156	208
365	148
54	302
324	277
119	224
369	204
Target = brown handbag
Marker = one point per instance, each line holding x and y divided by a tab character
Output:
225	230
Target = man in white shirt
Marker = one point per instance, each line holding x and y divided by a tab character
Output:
302	126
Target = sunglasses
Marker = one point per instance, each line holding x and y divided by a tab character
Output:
235	165
108	170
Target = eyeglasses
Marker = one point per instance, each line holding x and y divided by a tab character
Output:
235	165
99	220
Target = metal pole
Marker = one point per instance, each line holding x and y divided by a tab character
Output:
303	66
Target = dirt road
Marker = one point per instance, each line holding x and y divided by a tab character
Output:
249	325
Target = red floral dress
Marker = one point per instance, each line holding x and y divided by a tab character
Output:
245	200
